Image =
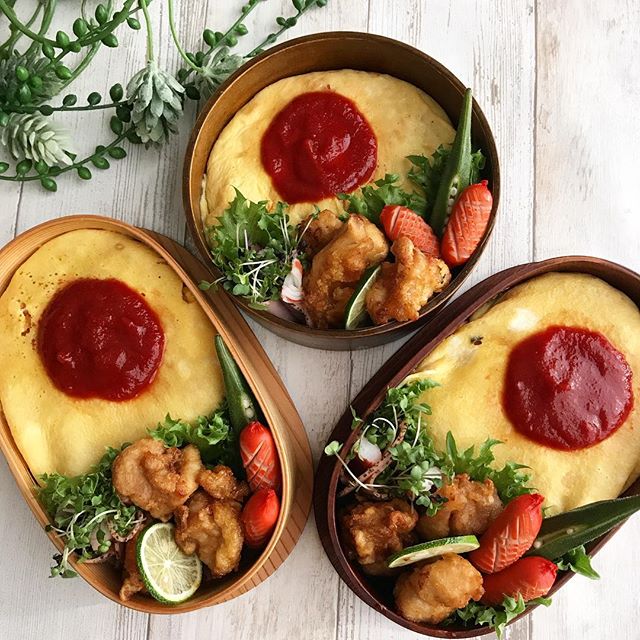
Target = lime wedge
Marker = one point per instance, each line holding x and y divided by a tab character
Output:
431	549
170	575
356	310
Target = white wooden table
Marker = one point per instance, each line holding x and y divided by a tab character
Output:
560	84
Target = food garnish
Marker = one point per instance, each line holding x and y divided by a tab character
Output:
432	549
373	198
259	517
170	575
476	614
253	247
467	224
212	434
242	408
355	312
402	221
531	577
564	532
260	457
510	535
457	172
87	514
410	465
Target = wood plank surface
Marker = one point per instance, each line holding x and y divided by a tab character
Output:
559	84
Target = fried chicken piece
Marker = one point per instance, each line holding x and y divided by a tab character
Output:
156	478
470	508
318	230
131	579
403	287
374	530
220	483
336	269
211	528
433	591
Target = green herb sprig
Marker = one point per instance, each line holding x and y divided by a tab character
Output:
212	435
84	511
417	467
498	617
32	77
253	247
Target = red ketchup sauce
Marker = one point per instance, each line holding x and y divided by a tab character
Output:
100	339
317	146
567	388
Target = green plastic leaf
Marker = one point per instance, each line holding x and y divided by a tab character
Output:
62	39
22	73
24	94
23	167
48	51
116	125
42	168
192	92
63	72
133	23
110	40
45	109
94	98
116	92
84	173
100	163
117	153
209	37
4	166
69	100
80	27
49	183
101	14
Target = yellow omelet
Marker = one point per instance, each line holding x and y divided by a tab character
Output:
405	120
56	432
470	366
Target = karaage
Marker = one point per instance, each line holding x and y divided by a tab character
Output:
211	528
318	230
336	269
220	483
156	478
433	591
375	530
403	287
131	579
470	508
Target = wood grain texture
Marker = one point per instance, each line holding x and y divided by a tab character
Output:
584	143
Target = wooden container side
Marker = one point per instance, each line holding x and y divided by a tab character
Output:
321	52
279	411
394	371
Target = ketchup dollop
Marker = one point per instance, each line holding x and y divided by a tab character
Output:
100	339
317	146
567	388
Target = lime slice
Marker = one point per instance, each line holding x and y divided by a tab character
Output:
170	575
431	549
356	309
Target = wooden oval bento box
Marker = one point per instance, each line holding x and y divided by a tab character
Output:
322	52
393	372
288	431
